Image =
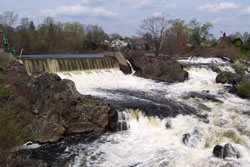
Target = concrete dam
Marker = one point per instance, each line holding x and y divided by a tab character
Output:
110	61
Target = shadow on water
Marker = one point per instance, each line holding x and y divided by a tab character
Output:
154	104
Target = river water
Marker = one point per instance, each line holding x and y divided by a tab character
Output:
148	142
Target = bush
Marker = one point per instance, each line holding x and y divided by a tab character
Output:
5	92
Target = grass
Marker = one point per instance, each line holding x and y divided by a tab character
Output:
13	132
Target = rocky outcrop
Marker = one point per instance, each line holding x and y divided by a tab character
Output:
226	151
204	96
52	108
242	89
158	68
240	83
228	77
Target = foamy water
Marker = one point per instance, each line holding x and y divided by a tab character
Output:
148	143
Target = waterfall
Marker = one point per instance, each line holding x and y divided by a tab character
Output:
145	140
130	65
70	64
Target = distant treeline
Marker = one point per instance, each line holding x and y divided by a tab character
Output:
159	35
53	37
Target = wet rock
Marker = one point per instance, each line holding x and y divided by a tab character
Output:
122	125
113	119
230	152
168	123
226	151
192	139
185	138
204	96
218	151
228	77
216	69
239	70
242	89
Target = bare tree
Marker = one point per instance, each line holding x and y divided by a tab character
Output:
25	23
8	18
238	35
245	36
156	26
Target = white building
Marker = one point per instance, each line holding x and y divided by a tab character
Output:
119	43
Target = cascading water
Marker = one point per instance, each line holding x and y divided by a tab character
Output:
152	132
70	64
184	140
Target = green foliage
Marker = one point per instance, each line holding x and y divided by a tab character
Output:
198	32
13	132
55	37
5	93
245	47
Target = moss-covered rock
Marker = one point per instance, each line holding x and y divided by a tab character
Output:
239	70
228	77
243	89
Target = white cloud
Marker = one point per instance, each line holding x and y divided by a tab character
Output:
100	11
246	11
157	14
133	3
78	10
216	7
217	20
222	20
170	5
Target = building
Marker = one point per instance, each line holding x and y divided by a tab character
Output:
119	43
226	39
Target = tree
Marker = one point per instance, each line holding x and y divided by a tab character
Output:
32	26
8	18
114	36
25	23
176	37
156	27
245	37
198	32
238	35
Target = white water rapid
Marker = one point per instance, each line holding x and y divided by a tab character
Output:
148	142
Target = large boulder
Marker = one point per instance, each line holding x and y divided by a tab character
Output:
60	109
241	84
228	77
226	151
243	88
158	68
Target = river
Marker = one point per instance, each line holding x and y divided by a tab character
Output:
152	128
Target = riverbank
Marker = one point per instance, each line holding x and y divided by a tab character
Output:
43	108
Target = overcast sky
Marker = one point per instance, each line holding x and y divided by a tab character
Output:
125	16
